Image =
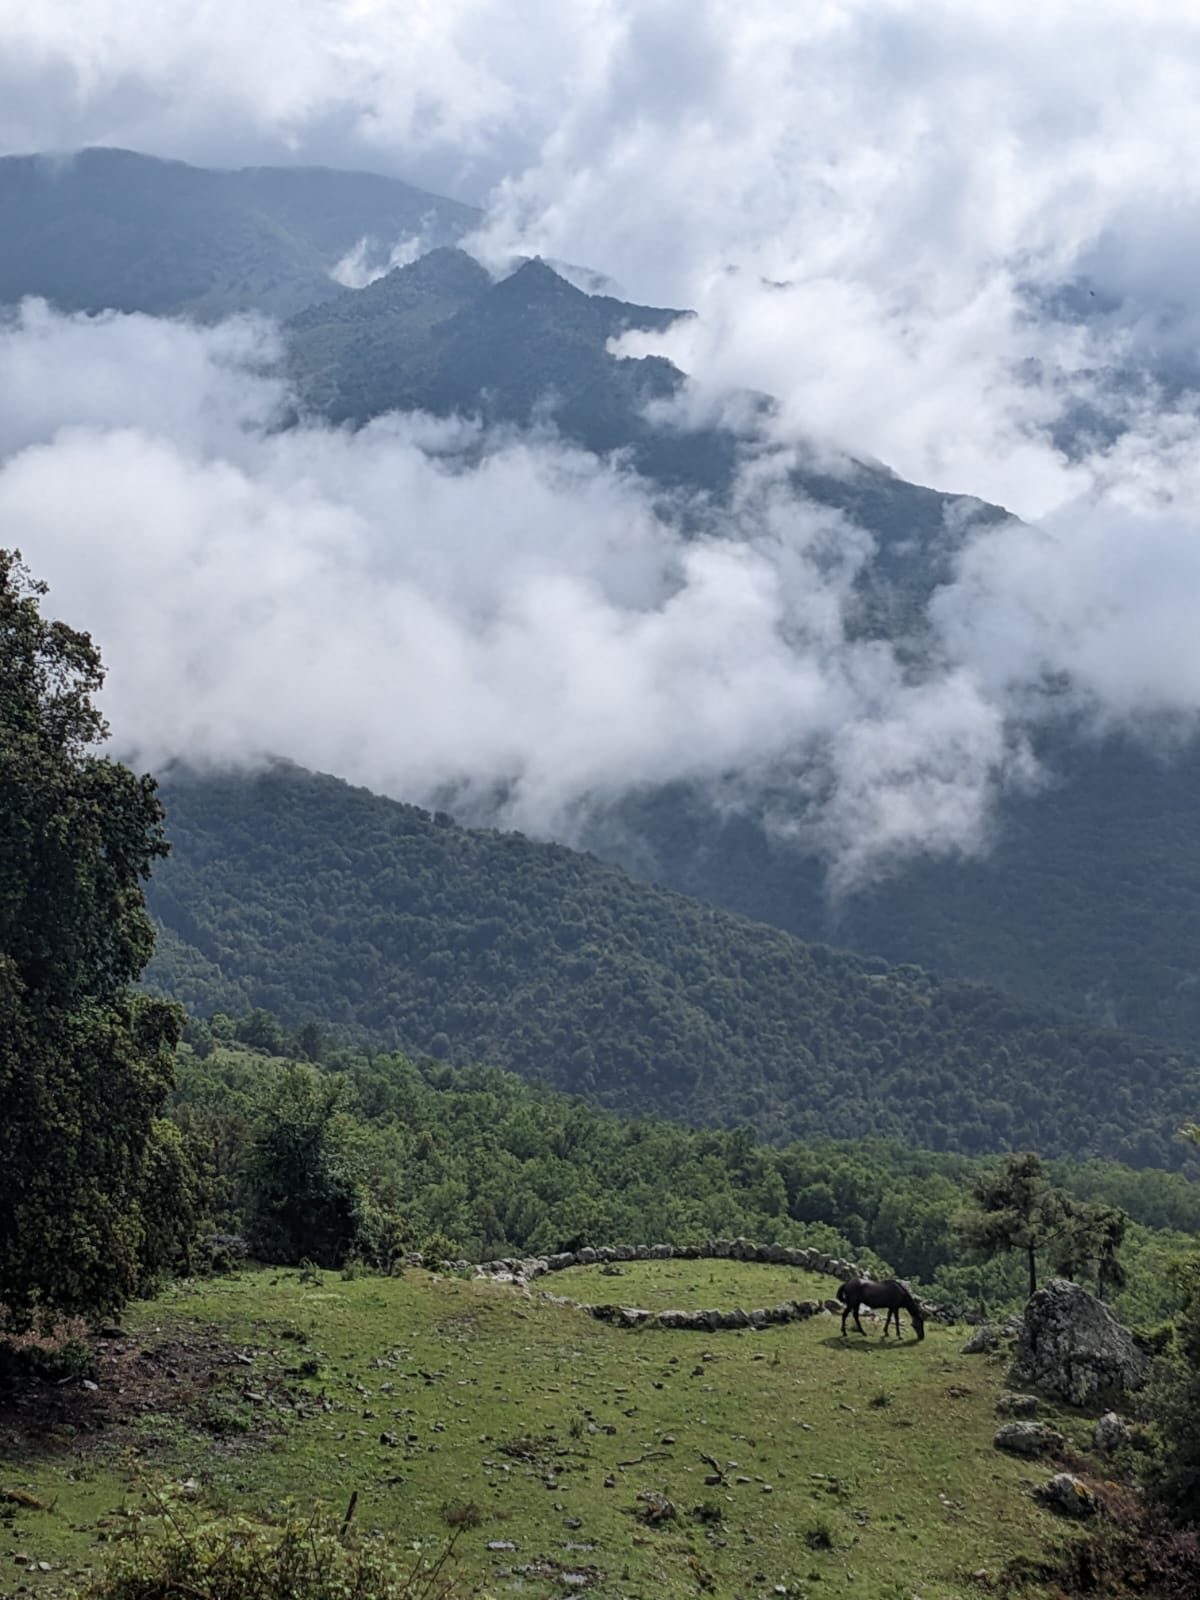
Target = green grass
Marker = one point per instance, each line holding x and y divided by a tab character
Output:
689	1285
508	1416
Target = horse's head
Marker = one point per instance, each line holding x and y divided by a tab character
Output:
918	1319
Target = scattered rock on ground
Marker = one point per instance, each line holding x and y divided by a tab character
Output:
1011	1404
655	1508
1068	1495
987	1337
1027	1439
1110	1434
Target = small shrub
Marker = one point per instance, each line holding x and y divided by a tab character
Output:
438	1248
819	1536
465	1515
246	1560
881	1400
222	1415
55	1363
708	1511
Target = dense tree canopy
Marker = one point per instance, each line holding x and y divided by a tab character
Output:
299	894
85	1064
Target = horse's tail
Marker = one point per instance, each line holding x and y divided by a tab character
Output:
841	1293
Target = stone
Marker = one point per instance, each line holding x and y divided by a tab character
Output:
1110	1434
1072	1347
1017	1405
1068	1495
1027	1439
655	1508
987	1337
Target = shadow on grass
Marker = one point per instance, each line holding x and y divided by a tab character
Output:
868	1346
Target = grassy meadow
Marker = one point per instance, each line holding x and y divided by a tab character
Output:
526	1431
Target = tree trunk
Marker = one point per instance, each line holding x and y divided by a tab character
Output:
1032	1271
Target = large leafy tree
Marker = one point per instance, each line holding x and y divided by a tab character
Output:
85	1063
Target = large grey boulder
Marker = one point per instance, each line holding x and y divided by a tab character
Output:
1072	1346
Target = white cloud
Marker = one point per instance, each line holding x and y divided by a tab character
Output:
862	199
529	624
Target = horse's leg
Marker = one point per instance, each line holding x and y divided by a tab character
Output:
845	1314
858	1324
887	1326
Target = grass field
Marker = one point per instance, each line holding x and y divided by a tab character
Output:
851	1467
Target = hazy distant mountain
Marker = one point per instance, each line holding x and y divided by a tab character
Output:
310	898
439	335
112	229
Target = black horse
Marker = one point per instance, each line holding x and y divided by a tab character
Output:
890	1293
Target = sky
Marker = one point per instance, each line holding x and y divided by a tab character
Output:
872	205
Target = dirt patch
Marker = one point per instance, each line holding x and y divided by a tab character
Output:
79	1399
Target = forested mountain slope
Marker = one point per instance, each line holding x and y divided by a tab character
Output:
297	893
1088	898
110	229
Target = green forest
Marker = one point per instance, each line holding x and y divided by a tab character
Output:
300	895
476	1162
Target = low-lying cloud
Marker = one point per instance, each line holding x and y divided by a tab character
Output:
528	628
873	207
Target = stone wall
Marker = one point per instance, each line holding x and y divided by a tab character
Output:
523	1270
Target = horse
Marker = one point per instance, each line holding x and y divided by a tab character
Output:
890	1293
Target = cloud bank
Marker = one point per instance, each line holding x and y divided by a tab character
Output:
874	206
529	629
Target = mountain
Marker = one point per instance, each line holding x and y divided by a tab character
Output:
1089	896
110	229
440	336
311	899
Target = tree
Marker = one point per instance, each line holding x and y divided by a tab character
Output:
85	1063
307	1192
1016	1207
1172	1475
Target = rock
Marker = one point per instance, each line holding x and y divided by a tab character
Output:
1017	1405
655	1508
1068	1495
987	1337
1110	1434
1073	1347
1027	1439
